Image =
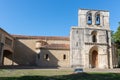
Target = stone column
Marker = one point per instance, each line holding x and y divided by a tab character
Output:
111	57
87	62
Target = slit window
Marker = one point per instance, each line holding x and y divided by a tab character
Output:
64	56
46	56
94	38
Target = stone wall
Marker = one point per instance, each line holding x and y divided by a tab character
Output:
55	58
6	48
26	53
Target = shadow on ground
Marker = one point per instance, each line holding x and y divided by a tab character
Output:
26	67
81	76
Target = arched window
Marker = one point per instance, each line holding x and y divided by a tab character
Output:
97	19
94	34
94	38
64	56
89	18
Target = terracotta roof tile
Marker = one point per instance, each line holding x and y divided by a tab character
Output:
57	46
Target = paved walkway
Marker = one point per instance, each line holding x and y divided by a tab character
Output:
116	70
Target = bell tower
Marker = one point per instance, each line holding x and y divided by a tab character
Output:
98	19
91	38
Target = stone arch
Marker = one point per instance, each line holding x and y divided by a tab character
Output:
7	58
89	18
93	57
94	36
97	18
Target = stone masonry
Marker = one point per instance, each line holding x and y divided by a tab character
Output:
90	41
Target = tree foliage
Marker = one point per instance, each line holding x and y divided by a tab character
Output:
116	36
116	39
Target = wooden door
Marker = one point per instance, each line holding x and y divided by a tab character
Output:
94	59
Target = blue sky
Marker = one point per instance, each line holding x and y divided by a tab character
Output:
50	17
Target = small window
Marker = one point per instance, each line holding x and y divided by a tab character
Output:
46	56
94	38
97	22
64	56
94	34
89	19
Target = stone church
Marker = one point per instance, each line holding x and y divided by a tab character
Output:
88	46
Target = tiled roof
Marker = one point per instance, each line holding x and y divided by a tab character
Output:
57	46
41	37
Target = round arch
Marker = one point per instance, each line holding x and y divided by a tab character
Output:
97	18
89	18
93	57
94	36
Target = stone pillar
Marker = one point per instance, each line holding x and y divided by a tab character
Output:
87	62
110	51
111	57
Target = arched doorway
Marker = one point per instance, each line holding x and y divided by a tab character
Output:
94	59
7	58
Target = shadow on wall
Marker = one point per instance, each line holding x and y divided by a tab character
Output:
47	60
23	55
7	58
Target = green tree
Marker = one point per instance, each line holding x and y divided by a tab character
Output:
112	36
116	36
116	39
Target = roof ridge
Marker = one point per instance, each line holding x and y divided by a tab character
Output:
41	37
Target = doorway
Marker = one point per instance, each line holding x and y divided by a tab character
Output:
94	59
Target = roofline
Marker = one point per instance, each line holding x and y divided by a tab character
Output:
55	48
41	37
93	9
6	32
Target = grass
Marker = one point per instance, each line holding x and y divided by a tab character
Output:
53	74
